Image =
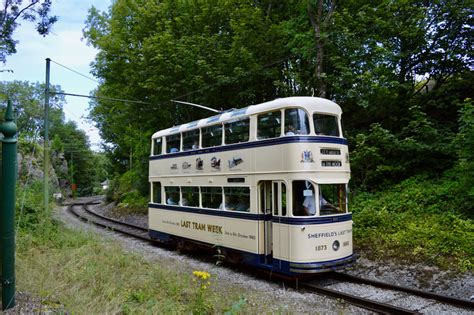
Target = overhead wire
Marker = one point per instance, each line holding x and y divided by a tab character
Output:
206	87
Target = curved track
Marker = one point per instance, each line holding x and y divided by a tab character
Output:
386	302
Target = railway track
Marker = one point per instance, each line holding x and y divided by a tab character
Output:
387	298
390	299
85	214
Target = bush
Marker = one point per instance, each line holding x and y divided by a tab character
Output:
417	220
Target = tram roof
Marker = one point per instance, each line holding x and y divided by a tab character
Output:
312	104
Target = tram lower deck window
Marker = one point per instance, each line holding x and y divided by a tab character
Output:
190	196
304	198
211	197
156	192
172	195
332	199
237	198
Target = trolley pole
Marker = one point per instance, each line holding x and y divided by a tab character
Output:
7	208
46	139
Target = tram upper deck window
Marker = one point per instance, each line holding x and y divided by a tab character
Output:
237	131
332	199
326	125
237	198
172	195
173	143
296	122
156	189
190	196
191	140
211	136
269	125
157	146
211	197
304	198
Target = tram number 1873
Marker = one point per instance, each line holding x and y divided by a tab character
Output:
321	247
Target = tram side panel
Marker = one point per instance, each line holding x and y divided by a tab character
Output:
321	243
233	233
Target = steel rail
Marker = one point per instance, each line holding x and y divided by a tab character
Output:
424	294
371	305
86	208
123	231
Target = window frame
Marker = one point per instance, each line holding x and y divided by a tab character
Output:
337	120
265	115
229	124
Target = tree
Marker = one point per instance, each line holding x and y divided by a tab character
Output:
68	140
14	10
28	101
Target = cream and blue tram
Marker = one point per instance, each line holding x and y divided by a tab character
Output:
268	183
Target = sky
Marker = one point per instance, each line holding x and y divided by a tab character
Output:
65	46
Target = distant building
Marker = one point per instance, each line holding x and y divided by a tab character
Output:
105	184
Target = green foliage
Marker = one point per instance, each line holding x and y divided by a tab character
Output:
67	139
11	12
464	145
417	220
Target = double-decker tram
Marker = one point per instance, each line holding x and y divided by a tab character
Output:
267	184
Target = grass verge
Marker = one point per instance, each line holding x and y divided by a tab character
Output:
89	275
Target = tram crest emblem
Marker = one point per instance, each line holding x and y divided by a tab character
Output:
186	165
307	157
199	164
234	162
216	163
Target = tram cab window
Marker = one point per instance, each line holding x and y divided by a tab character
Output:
269	125
332	199
237	131
237	199
296	122
156	192
211	197
191	140
211	136
326	125
157	146
190	196
172	195
304	198
173	143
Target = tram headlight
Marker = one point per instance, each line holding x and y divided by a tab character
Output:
336	245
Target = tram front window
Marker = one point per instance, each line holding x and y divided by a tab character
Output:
332	199
326	125
304	202
296	122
